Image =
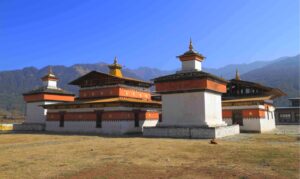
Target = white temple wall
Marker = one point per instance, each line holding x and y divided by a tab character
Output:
200	109
108	127
257	124
251	124
35	113
191	65
50	84
268	124
173	113
228	121
104	108
213	109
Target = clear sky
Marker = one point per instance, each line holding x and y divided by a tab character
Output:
145	32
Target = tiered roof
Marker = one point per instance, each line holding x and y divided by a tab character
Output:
191	53
50	76
237	91
45	90
189	76
96	78
120	101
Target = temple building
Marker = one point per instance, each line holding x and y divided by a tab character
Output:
250	105
191	102
48	93
289	114
107	104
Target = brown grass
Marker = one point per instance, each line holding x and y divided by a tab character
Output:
75	156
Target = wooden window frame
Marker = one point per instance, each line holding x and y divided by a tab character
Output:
99	118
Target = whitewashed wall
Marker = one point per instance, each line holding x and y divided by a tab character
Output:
213	109
183	109
35	113
192	109
120	108
256	124
191	65
108	127
268	124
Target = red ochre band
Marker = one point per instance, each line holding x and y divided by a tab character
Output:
105	116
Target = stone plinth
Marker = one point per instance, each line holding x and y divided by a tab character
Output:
29	127
191	132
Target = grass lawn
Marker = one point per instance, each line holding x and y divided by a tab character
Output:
77	156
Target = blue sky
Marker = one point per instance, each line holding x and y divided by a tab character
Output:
145	32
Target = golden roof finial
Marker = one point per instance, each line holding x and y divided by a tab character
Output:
191	44
49	75
237	75
116	60
115	68
50	70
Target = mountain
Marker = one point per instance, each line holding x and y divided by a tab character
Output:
228	71
14	83
282	73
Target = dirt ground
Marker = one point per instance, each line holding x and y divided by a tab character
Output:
271	155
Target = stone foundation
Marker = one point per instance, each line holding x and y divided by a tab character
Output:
29	127
191	132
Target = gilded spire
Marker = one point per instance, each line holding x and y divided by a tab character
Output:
116	60
50	75
115	68
191	44
50	70
237	75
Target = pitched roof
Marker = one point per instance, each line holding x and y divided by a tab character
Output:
191	52
100	78
49	91
258	98
188	76
106	100
266	90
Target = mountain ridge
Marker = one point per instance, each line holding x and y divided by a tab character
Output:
15	82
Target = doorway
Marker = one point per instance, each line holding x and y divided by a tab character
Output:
237	117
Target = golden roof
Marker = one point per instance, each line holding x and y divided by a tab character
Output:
49	75
106	100
115	68
262	98
191	52
237	75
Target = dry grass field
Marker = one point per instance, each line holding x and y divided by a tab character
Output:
77	156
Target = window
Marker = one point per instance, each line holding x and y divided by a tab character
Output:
99	119
136	119
136	123
247	90
237	117
62	120
160	118
297	117
285	116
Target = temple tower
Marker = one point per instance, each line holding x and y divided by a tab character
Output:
48	93
191	97
191	101
191	60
